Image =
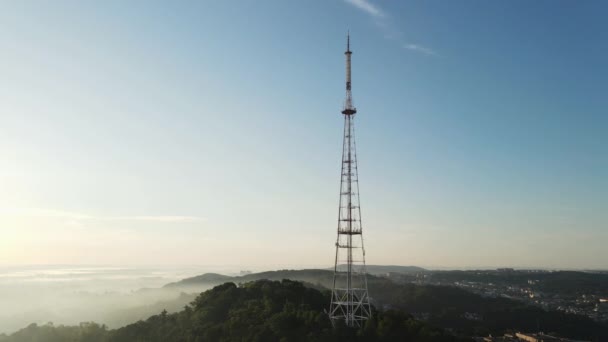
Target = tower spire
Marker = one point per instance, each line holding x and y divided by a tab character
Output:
348	102
348	41
349	297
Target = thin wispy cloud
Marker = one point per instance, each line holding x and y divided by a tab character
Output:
41	212
161	218
420	48
367	6
68	215
382	20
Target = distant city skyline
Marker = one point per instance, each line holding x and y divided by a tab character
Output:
208	132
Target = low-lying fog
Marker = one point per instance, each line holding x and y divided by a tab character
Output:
69	295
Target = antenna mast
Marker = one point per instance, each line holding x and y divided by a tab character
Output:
349	297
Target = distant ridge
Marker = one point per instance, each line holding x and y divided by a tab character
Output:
312	276
211	278
383	269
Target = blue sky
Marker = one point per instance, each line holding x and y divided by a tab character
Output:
209	132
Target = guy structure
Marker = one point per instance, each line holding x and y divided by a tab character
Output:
349	298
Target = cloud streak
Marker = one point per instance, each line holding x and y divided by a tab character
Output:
382	20
420	48
68	215
161	218
367	7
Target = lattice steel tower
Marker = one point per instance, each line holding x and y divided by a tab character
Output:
349	298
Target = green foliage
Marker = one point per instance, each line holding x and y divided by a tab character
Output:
257	311
271	311
286	310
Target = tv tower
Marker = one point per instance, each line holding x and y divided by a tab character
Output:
349	297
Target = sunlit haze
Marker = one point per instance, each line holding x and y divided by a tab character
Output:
210	133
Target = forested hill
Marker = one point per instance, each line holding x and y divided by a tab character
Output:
258	311
461	311
260	300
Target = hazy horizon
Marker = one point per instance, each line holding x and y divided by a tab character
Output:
65	294
238	269
206	132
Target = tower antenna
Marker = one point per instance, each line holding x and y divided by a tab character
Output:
348	41
349	296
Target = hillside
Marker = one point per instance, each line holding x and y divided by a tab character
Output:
461	311
257	311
